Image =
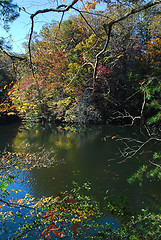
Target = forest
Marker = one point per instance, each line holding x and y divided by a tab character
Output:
101	65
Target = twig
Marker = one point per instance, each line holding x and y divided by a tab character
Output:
13	57
88	63
157	165
11	204
58	27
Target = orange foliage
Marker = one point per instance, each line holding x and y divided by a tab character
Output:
153	51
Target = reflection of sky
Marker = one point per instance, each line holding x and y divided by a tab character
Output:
17	191
26	187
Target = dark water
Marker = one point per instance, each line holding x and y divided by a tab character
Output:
86	156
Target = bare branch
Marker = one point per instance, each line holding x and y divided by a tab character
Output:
86	21
157	165
29	43
101	52
58	27
132	95
17	205
131	152
59	9
134	11
13	57
113	22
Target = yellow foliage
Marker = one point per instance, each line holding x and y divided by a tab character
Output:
11	113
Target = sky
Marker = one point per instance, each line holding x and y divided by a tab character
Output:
20	28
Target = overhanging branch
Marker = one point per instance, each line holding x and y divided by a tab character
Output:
108	29
59	9
13	57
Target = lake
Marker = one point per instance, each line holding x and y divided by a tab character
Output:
84	154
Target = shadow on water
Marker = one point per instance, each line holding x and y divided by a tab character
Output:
7	134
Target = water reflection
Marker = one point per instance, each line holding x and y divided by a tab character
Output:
87	157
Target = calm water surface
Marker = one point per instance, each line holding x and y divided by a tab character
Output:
87	156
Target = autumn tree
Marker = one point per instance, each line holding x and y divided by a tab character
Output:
86	68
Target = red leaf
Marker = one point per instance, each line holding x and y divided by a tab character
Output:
43	233
52	216
60	195
74	229
63	196
48	229
80	226
45	216
70	201
48	214
57	233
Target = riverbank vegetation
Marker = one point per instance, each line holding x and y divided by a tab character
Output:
74	75
97	66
